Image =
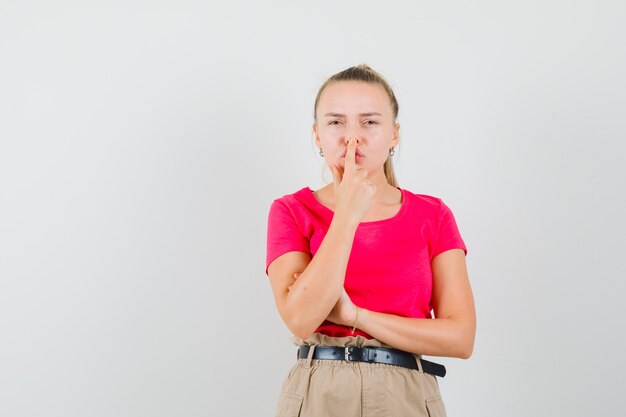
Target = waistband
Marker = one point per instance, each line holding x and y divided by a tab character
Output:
394	357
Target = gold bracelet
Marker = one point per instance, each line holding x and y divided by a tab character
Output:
355	319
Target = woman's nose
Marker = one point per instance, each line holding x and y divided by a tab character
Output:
353	131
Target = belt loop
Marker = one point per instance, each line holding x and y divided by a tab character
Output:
418	360
309	357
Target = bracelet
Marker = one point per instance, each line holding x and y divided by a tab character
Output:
355	319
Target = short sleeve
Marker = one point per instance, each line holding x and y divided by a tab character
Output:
448	235
283	234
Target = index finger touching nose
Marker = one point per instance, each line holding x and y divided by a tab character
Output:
351	154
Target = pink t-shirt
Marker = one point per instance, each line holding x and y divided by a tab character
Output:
389	267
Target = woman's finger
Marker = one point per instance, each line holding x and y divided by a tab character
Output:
295	277
350	162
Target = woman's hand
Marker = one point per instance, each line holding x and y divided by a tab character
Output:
353	191
344	311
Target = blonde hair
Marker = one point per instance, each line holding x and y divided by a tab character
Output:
365	74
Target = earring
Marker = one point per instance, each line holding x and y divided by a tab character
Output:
391	151
321	152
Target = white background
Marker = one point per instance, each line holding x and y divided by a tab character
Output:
143	142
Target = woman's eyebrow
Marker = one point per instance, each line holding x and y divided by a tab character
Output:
372	113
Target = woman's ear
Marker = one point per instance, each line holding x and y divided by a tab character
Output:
396	138
317	138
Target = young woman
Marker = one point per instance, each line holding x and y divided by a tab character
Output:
357	266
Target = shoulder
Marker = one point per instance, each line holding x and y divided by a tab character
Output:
298	205
424	202
429	206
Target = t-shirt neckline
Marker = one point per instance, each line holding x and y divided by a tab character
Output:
403	206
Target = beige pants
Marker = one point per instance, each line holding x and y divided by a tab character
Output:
328	388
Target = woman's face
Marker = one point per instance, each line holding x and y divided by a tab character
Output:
357	109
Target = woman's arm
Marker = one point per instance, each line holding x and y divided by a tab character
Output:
305	303
452	331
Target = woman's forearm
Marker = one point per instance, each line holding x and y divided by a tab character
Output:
453	336
314	294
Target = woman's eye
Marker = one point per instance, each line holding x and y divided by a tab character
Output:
336	122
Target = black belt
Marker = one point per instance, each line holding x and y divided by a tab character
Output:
372	354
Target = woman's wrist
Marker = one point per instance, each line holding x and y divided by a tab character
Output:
355	321
344	222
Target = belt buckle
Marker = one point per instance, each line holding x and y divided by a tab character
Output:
347	351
